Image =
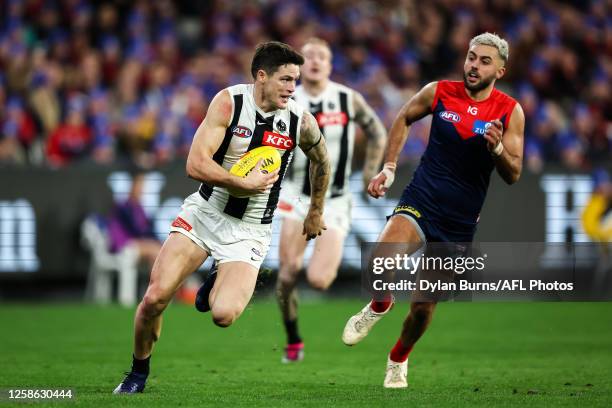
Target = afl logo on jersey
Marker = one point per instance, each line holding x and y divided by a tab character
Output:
241	131
450	116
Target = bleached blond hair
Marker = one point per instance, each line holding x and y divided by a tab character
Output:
492	40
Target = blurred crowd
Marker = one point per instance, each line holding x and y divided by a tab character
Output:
114	81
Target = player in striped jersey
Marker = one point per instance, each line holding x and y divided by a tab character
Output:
337	109
235	231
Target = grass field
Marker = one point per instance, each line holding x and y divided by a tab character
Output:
475	354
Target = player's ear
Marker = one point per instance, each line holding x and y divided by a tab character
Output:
262	75
500	72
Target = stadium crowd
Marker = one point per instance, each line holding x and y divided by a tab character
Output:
114	81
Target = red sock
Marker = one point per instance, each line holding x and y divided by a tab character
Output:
380	306
399	352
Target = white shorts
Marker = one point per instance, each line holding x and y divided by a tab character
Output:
225	238
336	213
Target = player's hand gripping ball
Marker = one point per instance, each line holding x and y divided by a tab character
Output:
270	161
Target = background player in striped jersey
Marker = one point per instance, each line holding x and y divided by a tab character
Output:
474	129
337	110
235	231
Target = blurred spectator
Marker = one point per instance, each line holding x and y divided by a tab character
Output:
111	59
546	141
45	99
129	225
17	132
101	125
72	140
148	69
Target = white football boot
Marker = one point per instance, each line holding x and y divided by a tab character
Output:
397	374
359	325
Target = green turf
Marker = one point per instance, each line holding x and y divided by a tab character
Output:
475	354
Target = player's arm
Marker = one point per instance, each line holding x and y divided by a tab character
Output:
416	108
376	134
200	164
312	144
506	147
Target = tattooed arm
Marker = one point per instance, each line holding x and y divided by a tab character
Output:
312	144
375	133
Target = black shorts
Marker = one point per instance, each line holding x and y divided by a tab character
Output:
435	231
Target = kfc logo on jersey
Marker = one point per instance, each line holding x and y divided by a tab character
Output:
241	131
335	118
450	116
277	140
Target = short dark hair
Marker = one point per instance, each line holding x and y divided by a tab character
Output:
271	55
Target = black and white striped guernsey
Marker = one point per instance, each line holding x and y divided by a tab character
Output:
333	109
250	128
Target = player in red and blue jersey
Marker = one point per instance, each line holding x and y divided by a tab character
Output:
475	128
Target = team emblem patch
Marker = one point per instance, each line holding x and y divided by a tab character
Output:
280	125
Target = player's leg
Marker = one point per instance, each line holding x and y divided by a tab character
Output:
421	309
325	259
399	229
322	270
202	303
424	303
327	255
179	257
232	291
291	253
413	328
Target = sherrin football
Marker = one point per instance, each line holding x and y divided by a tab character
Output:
271	160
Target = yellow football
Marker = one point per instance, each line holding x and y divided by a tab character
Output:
270	157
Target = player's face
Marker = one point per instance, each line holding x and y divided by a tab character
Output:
280	86
317	62
483	65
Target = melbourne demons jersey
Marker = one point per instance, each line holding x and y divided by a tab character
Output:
333	109
451	182
250	128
